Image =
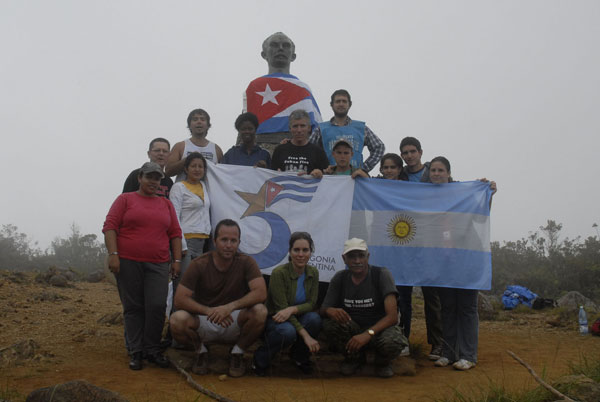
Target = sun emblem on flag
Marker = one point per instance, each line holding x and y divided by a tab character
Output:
401	229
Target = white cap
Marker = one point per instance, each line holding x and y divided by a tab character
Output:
354	244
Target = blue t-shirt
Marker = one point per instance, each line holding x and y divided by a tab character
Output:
237	155
416	176
300	292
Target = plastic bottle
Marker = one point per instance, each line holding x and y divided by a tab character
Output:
583	322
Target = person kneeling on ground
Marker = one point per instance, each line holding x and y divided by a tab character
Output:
220	300
293	291
361	312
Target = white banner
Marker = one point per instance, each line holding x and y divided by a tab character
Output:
270	205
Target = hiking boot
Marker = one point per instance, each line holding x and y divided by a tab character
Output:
436	353
405	352
136	361
352	363
384	371
442	362
200	366
463	365
236	365
159	359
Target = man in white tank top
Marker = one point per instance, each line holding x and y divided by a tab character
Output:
198	122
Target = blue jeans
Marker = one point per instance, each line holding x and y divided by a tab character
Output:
280	336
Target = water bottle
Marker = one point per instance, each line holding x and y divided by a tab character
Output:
583	324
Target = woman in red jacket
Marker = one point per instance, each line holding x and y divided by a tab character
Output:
141	231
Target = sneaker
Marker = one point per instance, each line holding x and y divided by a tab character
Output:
384	371
405	351
159	359
436	353
463	365
236	365
200	366
442	362
136	361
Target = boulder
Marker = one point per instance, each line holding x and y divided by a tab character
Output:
109	276
74	391
485	307
95	276
18	352
579	387
58	280
70	275
572	301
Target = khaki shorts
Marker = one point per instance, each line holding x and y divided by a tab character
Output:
211	332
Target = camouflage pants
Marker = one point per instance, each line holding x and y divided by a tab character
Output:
387	344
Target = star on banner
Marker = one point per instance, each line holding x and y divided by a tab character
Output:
269	95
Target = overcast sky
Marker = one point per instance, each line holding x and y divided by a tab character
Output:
509	90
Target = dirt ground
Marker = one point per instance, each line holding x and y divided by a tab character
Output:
63	322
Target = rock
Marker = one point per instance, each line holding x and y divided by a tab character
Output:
58	280
78	390
17	353
49	296
16	277
111	319
579	387
110	277
485	307
572	301
70	275
78	338
417	292
95	276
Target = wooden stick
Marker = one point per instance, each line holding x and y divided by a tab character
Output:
538	379
199	387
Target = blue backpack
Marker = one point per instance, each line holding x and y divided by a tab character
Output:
515	295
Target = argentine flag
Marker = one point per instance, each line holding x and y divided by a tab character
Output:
426	234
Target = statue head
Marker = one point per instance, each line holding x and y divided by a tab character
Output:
279	51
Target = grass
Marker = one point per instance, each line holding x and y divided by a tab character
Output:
10	394
587	367
494	392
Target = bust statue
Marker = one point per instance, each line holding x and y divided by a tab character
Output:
274	96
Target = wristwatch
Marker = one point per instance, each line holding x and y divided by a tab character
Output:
371	332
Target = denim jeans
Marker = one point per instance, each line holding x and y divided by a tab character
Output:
279	336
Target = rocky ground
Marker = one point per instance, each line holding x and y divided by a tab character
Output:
74	331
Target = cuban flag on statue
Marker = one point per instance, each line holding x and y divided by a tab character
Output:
273	97
426	234
269	206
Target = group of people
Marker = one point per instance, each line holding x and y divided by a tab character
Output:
158	229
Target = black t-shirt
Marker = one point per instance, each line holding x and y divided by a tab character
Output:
292	158
363	302
132	184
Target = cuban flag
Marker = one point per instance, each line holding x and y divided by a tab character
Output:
426	234
273	97
292	187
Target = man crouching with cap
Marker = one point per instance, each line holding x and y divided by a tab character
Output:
361	312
